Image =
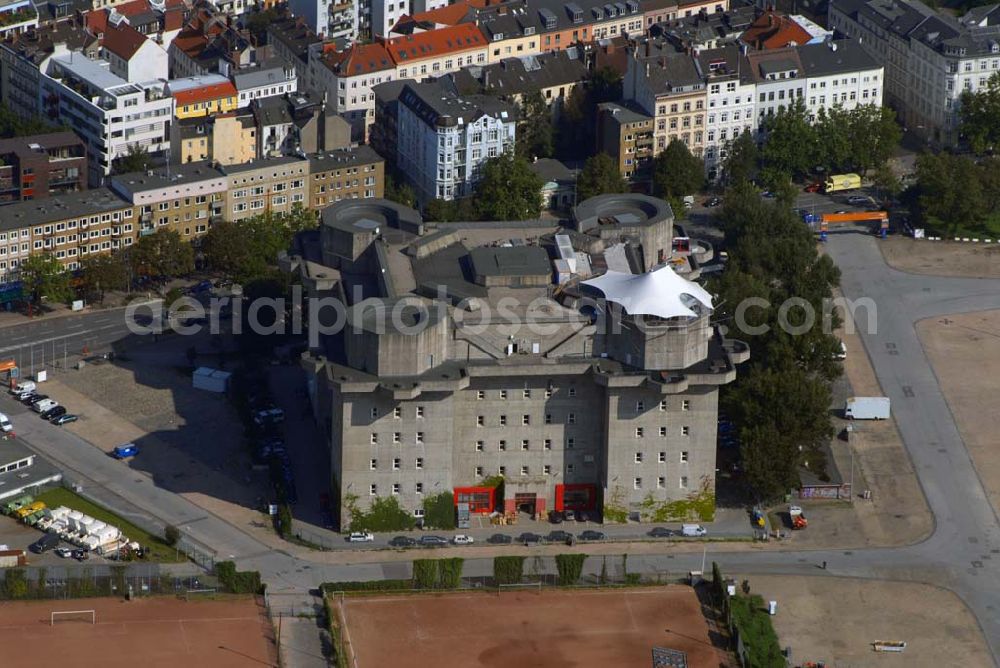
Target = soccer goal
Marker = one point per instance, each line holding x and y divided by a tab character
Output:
199	593
520	586
73	616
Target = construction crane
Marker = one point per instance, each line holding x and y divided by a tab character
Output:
826	219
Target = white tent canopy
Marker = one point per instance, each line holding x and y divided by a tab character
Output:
660	293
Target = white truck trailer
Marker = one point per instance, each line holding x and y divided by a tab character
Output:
867	408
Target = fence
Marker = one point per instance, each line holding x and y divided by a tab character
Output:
67	581
198	552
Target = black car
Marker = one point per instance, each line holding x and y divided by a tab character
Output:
558	537
592	535
528	537
32	398
582	516
499	539
555	517
432	541
403	541
661	532
54	412
713	201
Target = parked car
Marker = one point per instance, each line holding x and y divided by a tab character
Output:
661	532
500	539
44	405
528	537
462	539
125	451
767	194
44	544
200	287
81	555
558	537
592	535
57	411
361	537
858	199
570	515
65	419
813	187
691	530
582	516
269	416
23	386
5	424
555	517
64	552
402	541
432	541
713	201
31	397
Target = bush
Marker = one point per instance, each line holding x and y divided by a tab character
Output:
283	520
171	535
508	570
439	511
384	515
238	582
425	573
754	627
15	584
373	585
570	568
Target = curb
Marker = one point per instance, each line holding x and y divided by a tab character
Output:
961	240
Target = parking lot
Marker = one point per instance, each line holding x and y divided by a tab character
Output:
17	536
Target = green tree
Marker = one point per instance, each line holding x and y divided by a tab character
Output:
439	511
12	125
248	249
875	135
886	182
676	172
835	152
791	142
599	176
283	520
508	189
162	253
399	191
42	275
979	116
741	160
441	210
101	273
534	129
135	160
171	535
575	134
950	193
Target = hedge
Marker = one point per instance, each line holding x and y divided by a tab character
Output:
570	568
450	572
757	632
238	582
508	570
425	573
370	585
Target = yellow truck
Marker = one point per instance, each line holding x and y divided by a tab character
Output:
24	511
838	182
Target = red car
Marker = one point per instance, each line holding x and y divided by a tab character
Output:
813	187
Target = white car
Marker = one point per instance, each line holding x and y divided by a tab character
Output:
462	539
361	537
857	199
64	552
44	405
5	424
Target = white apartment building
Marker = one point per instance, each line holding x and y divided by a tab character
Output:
266	80
378	16
108	112
779	80
443	139
840	73
329	19
930	58
730	102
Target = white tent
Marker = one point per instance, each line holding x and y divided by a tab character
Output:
660	293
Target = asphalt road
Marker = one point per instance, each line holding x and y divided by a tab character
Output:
962	554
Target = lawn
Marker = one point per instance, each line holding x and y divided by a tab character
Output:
159	551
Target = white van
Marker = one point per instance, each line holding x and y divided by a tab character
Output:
5	425
24	386
44	405
693	530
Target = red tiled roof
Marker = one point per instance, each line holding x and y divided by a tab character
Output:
192	45
96	21
122	40
434	43
448	15
360	59
204	94
774	31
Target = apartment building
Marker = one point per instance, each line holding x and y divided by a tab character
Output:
348	173
291	41
210	43
335	20
133	56
554	74
274	77
69	226
234	138
38	166
730	102
627	136
841	74
671	88
108	112
443	139
564	24
930	58
779	80
706	30
17	17
199	96
577	415
181	198
269	184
